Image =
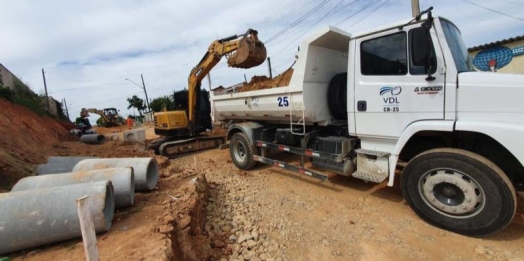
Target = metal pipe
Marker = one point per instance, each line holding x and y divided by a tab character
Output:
122	179
146	169
42	216
93	138
58	164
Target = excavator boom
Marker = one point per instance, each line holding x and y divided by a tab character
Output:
246	52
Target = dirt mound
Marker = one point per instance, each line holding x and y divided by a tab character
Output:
104	130
217	131
25	139
263	82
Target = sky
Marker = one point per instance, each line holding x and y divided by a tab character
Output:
89	48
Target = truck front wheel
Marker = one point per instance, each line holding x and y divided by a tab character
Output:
241	151
459	191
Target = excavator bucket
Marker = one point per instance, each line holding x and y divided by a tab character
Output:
250	53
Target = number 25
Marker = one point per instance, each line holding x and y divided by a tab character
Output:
282	101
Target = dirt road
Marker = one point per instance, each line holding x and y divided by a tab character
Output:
276	215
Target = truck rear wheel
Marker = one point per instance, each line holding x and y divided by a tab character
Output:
459	191
241	151
337	96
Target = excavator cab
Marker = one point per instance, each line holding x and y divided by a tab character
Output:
251	52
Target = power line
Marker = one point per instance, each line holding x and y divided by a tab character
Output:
84	81
492	10
328	14
513	2
296	22
352	15
368	15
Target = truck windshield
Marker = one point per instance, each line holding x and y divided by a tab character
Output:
458	49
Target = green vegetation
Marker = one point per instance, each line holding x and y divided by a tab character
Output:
136	103
20	95
160	103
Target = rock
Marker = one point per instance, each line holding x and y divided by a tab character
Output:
233	238
278	259
165	229
263	257
480	250
244	237
226	228
255	235
325	242
223	259
251	244
249	256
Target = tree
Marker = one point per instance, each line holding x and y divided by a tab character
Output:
136	103
159	103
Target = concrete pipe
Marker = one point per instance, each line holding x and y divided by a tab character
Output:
122	179
42	216
146	169
93	138
57	164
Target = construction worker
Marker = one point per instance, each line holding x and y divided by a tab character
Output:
129	122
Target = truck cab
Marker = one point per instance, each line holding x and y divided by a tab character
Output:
402	98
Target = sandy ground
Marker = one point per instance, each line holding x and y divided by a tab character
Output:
263	214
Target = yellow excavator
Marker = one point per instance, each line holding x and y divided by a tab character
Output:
108	117
182	129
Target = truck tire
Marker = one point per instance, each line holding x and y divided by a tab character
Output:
460	191
337	96
241	151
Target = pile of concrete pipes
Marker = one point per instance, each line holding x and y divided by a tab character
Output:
42	209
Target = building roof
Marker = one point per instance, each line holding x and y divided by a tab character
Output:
488	45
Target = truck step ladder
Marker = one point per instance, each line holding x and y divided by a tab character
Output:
372	165
301	122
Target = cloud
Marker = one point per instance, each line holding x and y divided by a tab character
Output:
89	48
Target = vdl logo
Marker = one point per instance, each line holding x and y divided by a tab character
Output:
394	91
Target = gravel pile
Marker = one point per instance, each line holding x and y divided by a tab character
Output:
234	215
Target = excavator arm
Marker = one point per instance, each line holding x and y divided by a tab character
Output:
248	52
99	112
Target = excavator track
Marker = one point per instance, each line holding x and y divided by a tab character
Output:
174	149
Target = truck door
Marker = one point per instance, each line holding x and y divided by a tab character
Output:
392	90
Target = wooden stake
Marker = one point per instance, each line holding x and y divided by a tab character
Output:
88	229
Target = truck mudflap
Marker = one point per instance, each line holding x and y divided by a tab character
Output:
297	169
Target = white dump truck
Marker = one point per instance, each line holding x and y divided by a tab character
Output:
403	98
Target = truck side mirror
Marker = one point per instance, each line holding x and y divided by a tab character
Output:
420	46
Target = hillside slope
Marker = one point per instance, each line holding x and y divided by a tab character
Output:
26	139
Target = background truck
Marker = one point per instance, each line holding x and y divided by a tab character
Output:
403	98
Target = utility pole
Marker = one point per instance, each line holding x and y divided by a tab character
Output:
415	8
66	109
269	67
209	80
145	91
45	88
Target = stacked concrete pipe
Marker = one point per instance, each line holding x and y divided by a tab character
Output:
93	138
146	169
122	179
57	164
41	216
